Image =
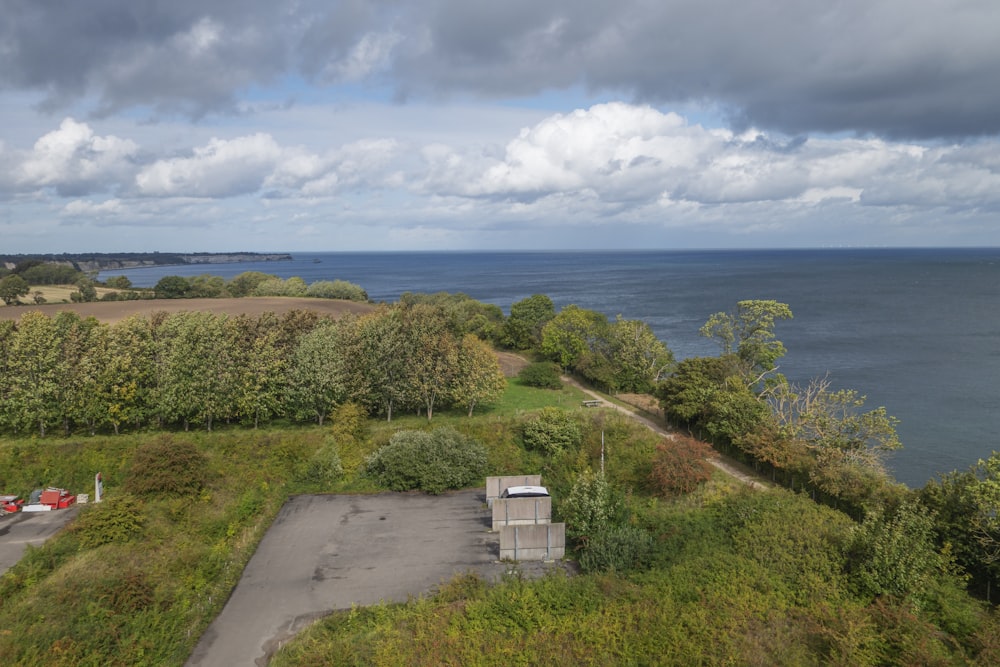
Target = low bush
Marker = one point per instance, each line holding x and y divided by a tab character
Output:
429	461
337	289
593	506
543	374
551	431
114	520
323	468
167	466
680	465
617	549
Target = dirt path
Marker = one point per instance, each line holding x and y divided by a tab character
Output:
725	466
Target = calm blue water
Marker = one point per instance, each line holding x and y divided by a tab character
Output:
917	331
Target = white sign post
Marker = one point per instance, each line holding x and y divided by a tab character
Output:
98	487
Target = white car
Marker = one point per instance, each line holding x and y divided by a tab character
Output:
525	492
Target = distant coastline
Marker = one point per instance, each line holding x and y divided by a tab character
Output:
96	261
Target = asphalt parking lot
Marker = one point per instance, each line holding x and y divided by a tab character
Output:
325	553
19	530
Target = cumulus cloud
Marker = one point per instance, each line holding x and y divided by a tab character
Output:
609	165
223	168
74	160
869	68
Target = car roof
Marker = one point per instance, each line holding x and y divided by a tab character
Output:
526	491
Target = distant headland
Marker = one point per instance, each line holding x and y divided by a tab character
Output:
99	261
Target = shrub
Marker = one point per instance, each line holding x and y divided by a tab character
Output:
551	431
617	549
323	467
592	506
894	553
680	465
116	519
167	466
337	289
433	462
543	374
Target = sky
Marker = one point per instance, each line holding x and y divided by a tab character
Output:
319	125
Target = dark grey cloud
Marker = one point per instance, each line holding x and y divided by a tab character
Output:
891	68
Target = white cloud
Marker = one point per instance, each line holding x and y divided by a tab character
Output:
73	160
223	168
611	166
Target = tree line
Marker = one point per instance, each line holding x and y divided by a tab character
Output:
827	442
194	368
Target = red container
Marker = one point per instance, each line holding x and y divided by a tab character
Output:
10	503
57	499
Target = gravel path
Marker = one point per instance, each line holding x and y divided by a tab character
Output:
727	467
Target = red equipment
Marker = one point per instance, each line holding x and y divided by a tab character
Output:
10	503
57	499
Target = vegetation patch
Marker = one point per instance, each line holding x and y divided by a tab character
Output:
432	461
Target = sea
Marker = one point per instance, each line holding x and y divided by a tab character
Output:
916	331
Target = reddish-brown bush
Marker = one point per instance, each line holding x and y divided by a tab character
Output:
680	465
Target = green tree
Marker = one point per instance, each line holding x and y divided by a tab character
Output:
258	369
337	289
82	346
749	334
523	328
573	333
12	288
893	553
478	379
34	374
206	286
245	283
118	282
688	392
432	354
171	287
127	380
639	359
294	286
317	374
849	444
86	291
379	362
196	373
985	495
51	274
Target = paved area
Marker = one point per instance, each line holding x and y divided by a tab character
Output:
331	552
20	529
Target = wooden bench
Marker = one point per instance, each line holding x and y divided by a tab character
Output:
592	403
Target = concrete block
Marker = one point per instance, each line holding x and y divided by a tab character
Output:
521	511
538	542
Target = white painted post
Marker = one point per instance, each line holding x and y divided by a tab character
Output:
98	487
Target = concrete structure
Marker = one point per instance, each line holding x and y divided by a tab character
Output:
538	542
494	485
521	511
